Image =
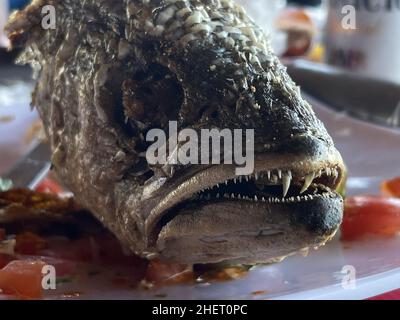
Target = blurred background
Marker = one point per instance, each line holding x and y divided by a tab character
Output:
318	30
352	66
299	22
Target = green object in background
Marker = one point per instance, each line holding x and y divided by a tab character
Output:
5	184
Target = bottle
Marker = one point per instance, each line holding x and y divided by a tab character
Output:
302	21
364	36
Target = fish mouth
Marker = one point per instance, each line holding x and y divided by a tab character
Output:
289	203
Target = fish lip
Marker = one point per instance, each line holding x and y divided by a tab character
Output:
296	228
211	176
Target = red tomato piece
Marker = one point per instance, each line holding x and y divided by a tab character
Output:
49	186
64	268
391	187
22	279
370	215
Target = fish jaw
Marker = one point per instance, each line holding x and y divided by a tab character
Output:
248	232
216	216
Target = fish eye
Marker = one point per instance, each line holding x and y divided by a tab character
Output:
152	97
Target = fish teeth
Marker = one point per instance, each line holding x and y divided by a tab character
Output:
276	176
335	175
307	182
286	180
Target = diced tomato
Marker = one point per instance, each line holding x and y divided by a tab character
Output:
29	243
22	279
49	186
370	215
160	272
63	267
391	187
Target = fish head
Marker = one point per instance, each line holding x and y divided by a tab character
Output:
230	79
110	77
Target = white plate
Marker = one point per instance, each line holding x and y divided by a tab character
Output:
371	154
